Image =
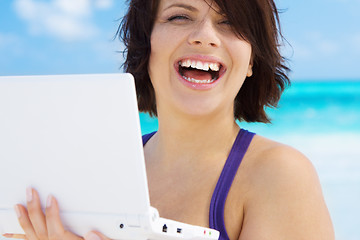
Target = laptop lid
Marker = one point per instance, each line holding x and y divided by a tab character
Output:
72	125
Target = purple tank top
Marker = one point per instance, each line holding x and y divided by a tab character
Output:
217	204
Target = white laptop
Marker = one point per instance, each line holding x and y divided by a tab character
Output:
78	138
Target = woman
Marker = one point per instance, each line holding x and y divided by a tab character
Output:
199	66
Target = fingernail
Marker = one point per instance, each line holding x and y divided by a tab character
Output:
92	236
29	194
8	235
17	211
49	201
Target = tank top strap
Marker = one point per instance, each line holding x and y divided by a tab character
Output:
217	205
146	137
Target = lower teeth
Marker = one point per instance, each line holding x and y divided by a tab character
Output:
198	81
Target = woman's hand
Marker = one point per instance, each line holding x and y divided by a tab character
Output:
48	226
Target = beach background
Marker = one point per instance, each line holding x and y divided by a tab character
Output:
319	114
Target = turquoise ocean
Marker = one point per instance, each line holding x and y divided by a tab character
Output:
322	120
305	107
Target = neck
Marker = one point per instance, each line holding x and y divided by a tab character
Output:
183	137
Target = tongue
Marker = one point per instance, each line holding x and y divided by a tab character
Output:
197	74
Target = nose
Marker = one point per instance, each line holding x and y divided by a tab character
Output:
204	35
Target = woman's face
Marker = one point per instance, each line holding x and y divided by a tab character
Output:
197	63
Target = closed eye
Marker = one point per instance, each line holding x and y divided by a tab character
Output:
227	22
178	18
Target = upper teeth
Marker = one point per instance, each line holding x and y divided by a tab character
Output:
200	65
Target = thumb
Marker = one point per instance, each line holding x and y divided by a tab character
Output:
93	235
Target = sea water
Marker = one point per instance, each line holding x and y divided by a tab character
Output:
310	107
322	120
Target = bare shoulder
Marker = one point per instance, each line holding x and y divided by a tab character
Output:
278	162
284	196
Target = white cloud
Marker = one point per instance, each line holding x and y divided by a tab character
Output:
328	47
323	44
315	45
66	20
300	50
103	4
77	8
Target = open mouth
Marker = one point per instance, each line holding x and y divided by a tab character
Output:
199	71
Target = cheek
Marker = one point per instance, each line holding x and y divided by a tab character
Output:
158	49
153	70
155	56
164	43
158	62
160	39
241	56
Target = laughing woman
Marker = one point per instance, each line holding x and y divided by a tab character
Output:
199	66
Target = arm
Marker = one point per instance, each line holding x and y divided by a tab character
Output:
285	200
48	226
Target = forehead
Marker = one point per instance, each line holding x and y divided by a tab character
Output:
189	4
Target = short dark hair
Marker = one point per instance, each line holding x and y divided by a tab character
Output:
257	21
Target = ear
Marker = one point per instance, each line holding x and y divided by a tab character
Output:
250	71
250	67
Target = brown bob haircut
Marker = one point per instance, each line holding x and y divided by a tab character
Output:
257	21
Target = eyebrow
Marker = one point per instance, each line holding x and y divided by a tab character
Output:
181	5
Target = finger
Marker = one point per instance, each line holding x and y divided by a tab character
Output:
53	221
36	214
15	236
93	235
54	224
25	223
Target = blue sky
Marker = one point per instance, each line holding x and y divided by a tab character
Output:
76	36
